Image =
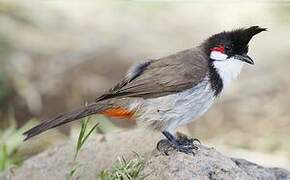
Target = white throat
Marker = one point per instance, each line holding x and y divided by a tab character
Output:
228	69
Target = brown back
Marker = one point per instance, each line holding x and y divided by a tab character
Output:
163	76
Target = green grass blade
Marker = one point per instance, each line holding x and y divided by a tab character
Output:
89	133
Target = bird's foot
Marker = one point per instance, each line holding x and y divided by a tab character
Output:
180	143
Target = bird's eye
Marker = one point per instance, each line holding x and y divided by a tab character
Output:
228	48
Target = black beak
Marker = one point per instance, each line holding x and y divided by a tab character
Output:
245	58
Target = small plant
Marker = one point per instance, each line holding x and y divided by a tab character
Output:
10	141
124	170
85	132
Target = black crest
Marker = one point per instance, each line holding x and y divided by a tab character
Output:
241	37
237	39
247	34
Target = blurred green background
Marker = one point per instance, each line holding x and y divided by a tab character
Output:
57	55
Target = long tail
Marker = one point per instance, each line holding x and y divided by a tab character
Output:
90	109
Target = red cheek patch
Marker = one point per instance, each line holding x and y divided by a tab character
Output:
220	48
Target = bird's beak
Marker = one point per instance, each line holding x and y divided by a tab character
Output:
245	58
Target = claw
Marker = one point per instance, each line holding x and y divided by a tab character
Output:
181	144
196	140
164	146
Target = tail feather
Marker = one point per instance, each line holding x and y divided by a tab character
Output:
90	109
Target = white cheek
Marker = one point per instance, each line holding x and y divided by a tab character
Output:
228	69
217	55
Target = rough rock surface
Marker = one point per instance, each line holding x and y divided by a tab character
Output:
100	152
207	163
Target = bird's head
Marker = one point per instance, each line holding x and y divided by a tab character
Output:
228	51
232	45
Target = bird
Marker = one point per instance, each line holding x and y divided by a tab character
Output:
169	92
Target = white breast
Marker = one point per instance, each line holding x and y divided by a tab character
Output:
174	110
228	69
171	111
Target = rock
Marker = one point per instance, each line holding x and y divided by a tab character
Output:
101	152
207	163
98	153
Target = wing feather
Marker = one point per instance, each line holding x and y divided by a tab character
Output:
163	76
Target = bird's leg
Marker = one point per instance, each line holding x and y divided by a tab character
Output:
180	143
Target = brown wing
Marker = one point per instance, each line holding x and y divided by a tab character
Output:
162	77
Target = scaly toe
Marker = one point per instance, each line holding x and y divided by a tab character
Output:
164	146
186	150
184	139
180	143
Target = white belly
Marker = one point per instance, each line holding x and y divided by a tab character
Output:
169	112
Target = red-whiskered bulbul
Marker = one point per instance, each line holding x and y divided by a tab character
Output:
172	91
